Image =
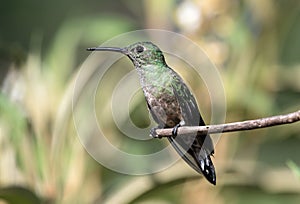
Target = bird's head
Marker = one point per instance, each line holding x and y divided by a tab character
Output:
140	53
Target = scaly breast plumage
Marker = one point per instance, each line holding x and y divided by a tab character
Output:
163	106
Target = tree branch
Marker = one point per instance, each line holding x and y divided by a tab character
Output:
232	127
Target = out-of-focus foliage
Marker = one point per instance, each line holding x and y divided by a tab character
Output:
255	45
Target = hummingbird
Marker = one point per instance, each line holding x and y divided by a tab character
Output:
171	104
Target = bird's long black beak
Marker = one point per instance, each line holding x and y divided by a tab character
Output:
110	49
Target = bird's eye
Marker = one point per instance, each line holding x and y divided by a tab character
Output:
140	49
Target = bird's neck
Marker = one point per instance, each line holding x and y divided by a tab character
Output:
154	77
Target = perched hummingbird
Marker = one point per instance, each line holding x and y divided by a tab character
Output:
171	104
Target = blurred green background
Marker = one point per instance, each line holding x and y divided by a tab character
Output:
255	45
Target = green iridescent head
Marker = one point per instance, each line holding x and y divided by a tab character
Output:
140	53
145	53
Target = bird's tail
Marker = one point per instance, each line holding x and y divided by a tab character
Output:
206	166
198	158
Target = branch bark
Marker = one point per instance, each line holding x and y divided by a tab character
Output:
235	126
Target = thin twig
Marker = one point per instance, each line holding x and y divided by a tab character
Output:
232	127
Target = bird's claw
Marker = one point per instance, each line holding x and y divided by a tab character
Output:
175	130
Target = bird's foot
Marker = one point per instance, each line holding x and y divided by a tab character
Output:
153	133
175	130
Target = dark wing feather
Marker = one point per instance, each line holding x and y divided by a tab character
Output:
191	116
193	148
184	155
190	112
